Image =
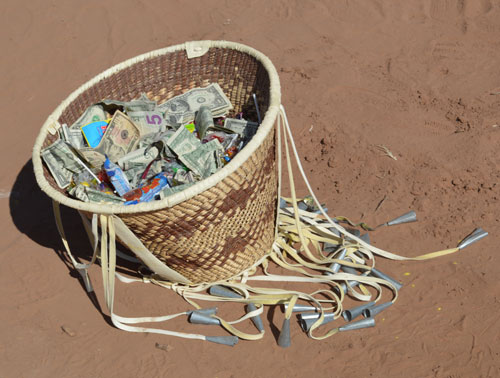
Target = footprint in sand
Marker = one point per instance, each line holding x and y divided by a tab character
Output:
451	10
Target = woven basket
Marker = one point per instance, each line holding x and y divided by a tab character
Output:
224	224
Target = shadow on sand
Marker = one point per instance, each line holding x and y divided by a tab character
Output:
31	212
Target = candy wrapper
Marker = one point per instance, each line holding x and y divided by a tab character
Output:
147	192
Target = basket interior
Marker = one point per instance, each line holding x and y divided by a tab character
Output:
168	75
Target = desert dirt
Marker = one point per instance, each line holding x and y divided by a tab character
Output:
419	77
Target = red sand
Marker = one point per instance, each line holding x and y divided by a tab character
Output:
416	78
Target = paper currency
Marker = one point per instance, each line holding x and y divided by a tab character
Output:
175	189
93	113
134	174
61	175
143	103
150	122
73	136
62	162
202	161
94	158
140	157
183	142
183	177
203	121
245	129
181	109
120	137
144	141
87	194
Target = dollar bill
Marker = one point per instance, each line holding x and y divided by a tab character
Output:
61	175
143	103
94	158
139	157
150	122
202	161
120	138
160	141
181	109
175	189
183	177
246	129
134	174
183	142
203	120
73	136
93	113
62	162
88	194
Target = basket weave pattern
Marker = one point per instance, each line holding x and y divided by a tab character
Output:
227	228
220	232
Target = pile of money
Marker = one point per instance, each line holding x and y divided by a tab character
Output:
138	151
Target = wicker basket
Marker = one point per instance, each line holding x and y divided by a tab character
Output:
224	224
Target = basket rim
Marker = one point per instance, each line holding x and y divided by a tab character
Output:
199	187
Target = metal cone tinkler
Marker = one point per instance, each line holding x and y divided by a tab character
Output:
353	313
205	311
336	266
307	320
225	340
257	321
198	318
374	310
301	308
221	291
476	235
364	323
377	273
410	216
284	338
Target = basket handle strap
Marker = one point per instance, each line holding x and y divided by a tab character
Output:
108	265
93	237
132	242
373	249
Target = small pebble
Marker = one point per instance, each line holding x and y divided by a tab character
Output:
68	331
165	347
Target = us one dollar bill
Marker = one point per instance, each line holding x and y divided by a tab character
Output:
88	194
134	174
183	142
181	109
139	157
73	136
120	138
175	189
61	175
61	162
183	177
202	161
94	158
93	113
142	104
246	129
203	121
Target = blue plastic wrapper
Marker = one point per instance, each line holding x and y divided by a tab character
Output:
147	192
117	177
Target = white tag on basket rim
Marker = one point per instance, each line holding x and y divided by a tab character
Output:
196	49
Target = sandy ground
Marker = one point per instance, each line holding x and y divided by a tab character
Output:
416	78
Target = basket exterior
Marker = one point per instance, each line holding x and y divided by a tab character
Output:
222	231
224	224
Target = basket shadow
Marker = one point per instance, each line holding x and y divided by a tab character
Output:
31	213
